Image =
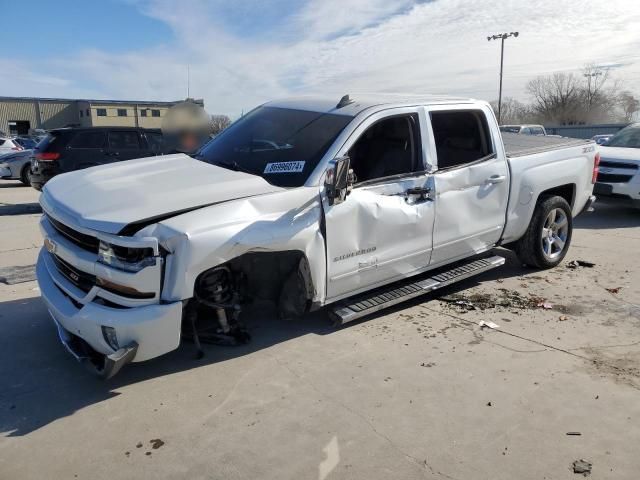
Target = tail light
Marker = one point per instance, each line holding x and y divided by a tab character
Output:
596	162
47	156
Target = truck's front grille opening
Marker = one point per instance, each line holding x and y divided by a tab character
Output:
84	241
84	281
613	178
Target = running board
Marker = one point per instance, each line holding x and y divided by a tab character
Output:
365	304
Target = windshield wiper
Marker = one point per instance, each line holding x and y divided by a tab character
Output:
235	166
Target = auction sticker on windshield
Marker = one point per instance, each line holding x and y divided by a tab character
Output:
284	167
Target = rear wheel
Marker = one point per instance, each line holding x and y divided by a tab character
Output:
547	239
25	175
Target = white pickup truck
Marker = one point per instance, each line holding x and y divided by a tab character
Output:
353	205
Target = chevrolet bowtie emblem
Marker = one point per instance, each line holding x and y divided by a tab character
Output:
50	245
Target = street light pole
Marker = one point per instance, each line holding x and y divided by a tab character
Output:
502	37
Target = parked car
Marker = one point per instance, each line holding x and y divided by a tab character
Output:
9	145
69	149
306	203
619	171
16	166
28	143
524	129
602	139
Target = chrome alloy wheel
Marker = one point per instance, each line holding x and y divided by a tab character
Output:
554	233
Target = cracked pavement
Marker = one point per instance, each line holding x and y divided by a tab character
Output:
418	391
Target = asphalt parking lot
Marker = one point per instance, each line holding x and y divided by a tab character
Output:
421	391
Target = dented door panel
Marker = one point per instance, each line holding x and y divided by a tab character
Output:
377	234
470	211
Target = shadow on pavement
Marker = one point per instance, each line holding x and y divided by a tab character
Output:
609	213
20	209
41	382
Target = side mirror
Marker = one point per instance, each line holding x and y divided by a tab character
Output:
339	181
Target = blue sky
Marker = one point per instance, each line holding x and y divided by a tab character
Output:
245	52
56	27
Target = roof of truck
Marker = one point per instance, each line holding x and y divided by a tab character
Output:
359	102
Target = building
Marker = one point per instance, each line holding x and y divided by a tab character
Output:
18	115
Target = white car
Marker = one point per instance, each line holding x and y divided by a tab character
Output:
524	129
308	203
619	171
8	145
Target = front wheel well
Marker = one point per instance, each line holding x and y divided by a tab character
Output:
282	277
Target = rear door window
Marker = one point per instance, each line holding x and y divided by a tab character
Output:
86	140
461	137
124	140
155	141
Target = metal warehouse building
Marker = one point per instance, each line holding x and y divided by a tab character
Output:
20	114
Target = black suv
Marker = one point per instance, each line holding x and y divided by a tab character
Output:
69	149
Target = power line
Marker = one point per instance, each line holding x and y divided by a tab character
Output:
502	37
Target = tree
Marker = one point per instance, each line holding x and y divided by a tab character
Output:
512	111
219	123
556	98
629	105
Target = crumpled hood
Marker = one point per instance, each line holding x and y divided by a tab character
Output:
109	197
619	153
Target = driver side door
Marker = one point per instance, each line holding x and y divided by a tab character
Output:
382	231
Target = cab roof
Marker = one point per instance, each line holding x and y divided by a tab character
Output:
356	103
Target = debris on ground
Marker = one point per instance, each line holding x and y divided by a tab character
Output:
562	318
484	323
13	275
582	467
139	445
505	298
488	404
545	305
613	290
430	364
580	263
574	434
156	443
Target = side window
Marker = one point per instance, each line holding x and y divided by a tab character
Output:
87	140
526	131
101	112
461	137
388	147
124	140
155	141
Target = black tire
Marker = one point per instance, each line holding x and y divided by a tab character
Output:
25	176
531	248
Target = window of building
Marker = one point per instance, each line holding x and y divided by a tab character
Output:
124	139
122	112
388	147
88	112
81	113
461	137
101	112
155	113
143	112
87	139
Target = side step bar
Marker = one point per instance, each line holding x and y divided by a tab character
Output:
365	304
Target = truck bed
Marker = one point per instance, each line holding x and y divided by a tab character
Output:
517	145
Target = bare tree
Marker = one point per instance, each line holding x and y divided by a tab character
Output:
556	98
512	111
629	105
219	123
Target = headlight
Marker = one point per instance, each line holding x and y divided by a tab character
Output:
125	258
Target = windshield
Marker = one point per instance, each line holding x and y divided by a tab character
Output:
510	129
281	145
627	138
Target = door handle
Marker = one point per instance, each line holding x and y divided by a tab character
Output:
493	179
424	193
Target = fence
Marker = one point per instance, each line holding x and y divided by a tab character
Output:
584	131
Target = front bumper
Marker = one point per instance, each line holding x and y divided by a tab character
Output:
5	171
142	332
627	191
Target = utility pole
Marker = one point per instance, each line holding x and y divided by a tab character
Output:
502	37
